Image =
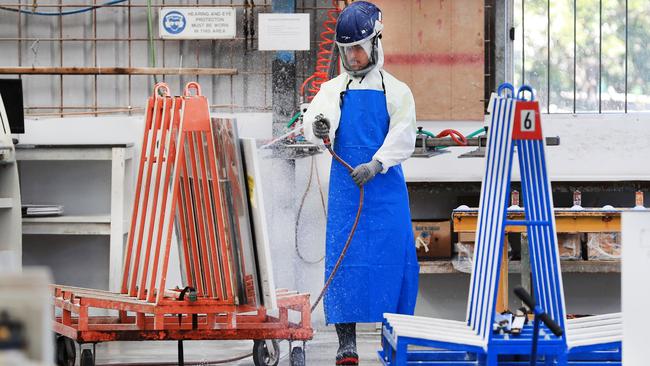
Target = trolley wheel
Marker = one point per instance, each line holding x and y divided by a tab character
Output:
66	353
297	356
87	358
263	356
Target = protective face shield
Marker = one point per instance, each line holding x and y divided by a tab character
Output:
358	30
359	56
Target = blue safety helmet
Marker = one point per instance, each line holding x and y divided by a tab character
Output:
359	24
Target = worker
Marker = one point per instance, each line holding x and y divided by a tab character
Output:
369	116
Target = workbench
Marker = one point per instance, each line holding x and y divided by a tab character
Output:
568	221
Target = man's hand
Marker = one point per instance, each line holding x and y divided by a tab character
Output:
321	126
363	173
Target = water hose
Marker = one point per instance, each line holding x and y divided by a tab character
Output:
456	136
480	130
293	120
425	132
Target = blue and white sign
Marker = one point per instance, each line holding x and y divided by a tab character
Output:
174	22
197	23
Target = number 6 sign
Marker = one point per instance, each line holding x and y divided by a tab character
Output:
527	120
527	123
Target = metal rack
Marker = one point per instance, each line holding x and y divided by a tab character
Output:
188	182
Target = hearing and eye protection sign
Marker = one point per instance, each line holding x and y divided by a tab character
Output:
197	23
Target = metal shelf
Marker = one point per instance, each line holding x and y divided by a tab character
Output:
68	225
568	266
70	152
112	225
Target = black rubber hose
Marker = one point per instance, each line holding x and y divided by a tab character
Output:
524	296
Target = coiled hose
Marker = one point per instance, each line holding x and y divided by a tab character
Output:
325	54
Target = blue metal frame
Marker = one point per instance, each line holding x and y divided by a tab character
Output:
545	265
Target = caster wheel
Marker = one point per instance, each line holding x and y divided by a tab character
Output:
297	356
87	358
265	356
66	353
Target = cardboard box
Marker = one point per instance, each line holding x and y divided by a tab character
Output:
466	237
569	246
432	239
604	246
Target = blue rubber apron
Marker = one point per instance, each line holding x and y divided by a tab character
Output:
380	271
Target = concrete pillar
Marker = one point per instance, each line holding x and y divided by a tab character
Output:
504	21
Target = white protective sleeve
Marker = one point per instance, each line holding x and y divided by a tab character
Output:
400	140
326	102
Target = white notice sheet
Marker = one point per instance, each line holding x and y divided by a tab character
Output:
283	32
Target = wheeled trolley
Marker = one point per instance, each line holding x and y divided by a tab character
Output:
191	193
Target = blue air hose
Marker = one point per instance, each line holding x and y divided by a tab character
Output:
67	12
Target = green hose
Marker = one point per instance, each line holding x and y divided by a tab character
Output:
293	120
425	132
152	48
476	132
430	134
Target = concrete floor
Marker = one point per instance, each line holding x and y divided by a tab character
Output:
320	351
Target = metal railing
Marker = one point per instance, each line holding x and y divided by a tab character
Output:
243	85
600	80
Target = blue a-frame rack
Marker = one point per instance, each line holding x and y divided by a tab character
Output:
515	127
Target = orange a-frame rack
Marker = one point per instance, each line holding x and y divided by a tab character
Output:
177	185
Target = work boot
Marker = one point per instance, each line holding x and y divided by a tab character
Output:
347	352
